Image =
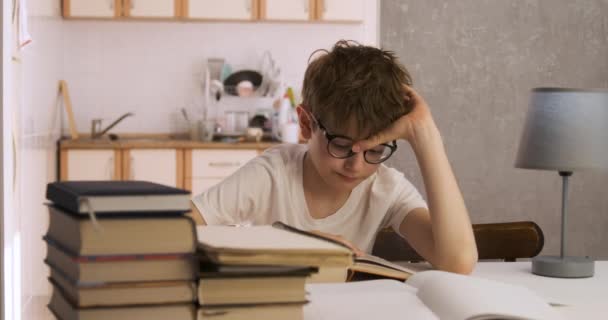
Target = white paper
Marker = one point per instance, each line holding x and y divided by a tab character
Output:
454	296
365	300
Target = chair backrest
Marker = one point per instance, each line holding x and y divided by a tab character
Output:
505	241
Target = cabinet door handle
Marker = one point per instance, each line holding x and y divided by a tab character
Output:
224	164
248	6
111	2
131	168
110	167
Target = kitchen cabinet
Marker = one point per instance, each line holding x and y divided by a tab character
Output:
225	10
163	9
312	10
164	166
340	10
221	10
206	167
151	8
287	10
92	8
186	164
98	164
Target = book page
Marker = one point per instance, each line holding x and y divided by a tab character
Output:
261	238
375	299
454	296
370	259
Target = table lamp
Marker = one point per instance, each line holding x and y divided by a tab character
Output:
566	130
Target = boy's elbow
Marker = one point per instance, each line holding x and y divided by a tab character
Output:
463	263
466	265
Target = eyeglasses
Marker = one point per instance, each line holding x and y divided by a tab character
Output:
341	147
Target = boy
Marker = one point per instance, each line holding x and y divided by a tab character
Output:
357	100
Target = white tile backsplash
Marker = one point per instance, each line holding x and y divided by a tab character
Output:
154	68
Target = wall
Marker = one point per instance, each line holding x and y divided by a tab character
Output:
4	63
154	68
150	68
32	118
475	63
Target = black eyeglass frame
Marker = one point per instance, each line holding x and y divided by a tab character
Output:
330	137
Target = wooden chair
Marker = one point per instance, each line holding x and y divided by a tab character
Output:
504	241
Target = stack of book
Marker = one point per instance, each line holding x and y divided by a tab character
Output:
260	272
120	250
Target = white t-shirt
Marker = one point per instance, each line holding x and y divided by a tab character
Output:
269	188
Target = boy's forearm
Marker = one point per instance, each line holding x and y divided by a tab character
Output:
454	242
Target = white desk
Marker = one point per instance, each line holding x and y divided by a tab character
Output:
584	298
576	298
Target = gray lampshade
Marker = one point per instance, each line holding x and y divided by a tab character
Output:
565	130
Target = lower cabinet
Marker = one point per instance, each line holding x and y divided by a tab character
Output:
164	166
207	167
90	164
193	169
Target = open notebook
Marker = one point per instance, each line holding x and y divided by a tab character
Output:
427	295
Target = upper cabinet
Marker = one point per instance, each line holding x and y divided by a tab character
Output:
164	9
312	10
287	10
151	8
220	10
213	10
92	8
340	10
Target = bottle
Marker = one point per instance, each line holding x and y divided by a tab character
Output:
284	112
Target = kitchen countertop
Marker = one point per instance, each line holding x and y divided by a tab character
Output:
159	143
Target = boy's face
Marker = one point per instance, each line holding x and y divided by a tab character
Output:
339	174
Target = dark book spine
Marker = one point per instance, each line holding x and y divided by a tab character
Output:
62	198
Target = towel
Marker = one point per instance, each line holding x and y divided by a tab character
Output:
20	21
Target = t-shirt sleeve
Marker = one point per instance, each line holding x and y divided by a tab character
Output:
407	198
235	199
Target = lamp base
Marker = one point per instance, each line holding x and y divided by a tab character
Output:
563	267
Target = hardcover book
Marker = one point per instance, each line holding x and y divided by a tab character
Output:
121	234
104	294
132	197
63	309
121	268
251	285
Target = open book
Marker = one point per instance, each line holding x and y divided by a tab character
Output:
369	267
280	244
365	267
267	245
427	295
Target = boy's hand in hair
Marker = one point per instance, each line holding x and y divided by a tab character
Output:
412	127
443	233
